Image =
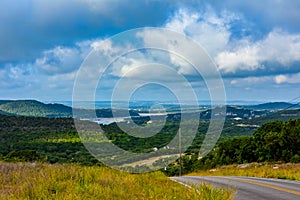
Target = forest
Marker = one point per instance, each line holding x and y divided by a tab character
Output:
275	141
55	140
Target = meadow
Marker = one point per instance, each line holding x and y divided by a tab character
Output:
71	181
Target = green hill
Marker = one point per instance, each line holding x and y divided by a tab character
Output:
5	101
34	108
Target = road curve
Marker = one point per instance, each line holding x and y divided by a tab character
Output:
250	188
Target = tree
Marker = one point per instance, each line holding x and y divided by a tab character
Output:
22	155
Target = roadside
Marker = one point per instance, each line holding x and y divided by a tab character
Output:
289	171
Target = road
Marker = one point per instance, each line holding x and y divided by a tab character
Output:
250	188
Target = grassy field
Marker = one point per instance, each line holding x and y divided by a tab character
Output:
45	181
266	170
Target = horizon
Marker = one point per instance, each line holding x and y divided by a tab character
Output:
187	102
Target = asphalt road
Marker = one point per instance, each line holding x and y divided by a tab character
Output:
250	188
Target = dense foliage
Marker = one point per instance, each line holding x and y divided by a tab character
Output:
53	140
274	141
35	108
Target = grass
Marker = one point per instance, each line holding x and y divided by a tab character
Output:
66	181
288	171
209	192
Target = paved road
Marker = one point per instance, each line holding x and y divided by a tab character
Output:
250	188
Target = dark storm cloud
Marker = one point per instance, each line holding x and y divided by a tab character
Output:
29	27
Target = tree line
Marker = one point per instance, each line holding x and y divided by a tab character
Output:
275	141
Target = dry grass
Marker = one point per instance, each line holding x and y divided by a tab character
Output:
266	170
44	181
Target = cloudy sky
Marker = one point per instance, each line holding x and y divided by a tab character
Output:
255	46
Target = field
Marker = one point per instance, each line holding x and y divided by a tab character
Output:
288	171
70	181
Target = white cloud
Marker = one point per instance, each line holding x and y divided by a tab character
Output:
17	76
124	66
246	58
292	78
281	47
61	81
280	79
182	20
59	60
106	48
142	66
250	80
208	29
277	47
213	32
181	51
233	82
62	59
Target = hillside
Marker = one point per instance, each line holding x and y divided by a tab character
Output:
35	108
275	141
5	101
52	140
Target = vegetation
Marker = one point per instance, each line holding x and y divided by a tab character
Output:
44	181
53	110
289	171
275	141
53	140
35	108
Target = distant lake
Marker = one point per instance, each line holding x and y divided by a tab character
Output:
107	121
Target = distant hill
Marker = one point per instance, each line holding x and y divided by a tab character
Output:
233	112
5	101
273	106
34	108
283	115
55	110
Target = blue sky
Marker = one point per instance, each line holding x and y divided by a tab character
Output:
254	44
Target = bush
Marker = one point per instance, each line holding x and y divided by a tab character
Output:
22	155
295	159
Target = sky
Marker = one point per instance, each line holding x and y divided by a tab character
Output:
254	45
